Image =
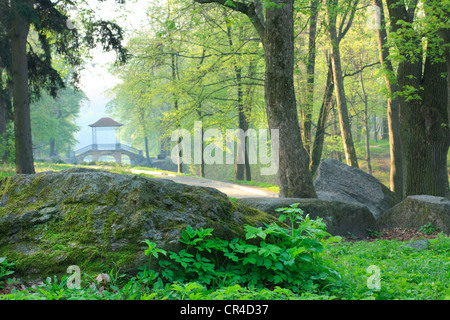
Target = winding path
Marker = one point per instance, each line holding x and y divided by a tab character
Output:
233	190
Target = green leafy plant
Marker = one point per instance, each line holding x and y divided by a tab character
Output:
269	255
374	233
6	268
152	250
427	228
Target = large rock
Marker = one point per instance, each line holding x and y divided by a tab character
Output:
341	218
416	211
88	217
337	181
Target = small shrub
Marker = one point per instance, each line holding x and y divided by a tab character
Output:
374	233
6	268
270	256
427	228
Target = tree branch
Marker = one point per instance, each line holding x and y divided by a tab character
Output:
360	70
251	10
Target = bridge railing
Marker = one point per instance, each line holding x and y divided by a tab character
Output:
130	149
83	150
107	147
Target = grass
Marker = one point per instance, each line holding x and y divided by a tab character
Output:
405	273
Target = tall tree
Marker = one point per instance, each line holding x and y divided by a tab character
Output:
393	107
316	152
310	73
277	36
331	7
423	93
20	27
32	70
53	121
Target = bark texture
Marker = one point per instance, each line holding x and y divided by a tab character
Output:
21	96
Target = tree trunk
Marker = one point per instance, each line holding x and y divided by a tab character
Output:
294	177
366	125
52	148
239	168
175	106
179	148
317	149
21	96
147	155
277	36
310	70
425	140
202	164
164	142
242	169
344	122
201	134
335	154
241	148
424	119
393	108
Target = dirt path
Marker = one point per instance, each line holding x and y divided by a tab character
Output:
230	189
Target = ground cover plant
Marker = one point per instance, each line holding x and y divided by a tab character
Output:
295	260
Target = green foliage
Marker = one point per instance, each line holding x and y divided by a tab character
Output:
374	233
152	251
54	120
406	273
427	228
7	147
6	268
272	255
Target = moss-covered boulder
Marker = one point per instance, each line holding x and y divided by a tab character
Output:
417	211
93	218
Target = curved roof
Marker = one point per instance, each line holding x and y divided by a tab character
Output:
106	122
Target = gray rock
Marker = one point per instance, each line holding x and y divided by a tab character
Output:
416	211
419	245
337	181
88	217
341	218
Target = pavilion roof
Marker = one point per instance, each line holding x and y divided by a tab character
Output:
106	122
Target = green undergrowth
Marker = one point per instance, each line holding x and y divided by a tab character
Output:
299	262
273	261
405	271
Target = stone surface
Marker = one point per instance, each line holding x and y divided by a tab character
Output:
89	217
418	245
416	211
342	218
337	181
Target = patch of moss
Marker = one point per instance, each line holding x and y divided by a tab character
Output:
20	198
77	219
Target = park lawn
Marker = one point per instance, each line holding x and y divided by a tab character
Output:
406	273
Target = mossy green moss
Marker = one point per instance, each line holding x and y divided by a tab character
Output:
16	193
